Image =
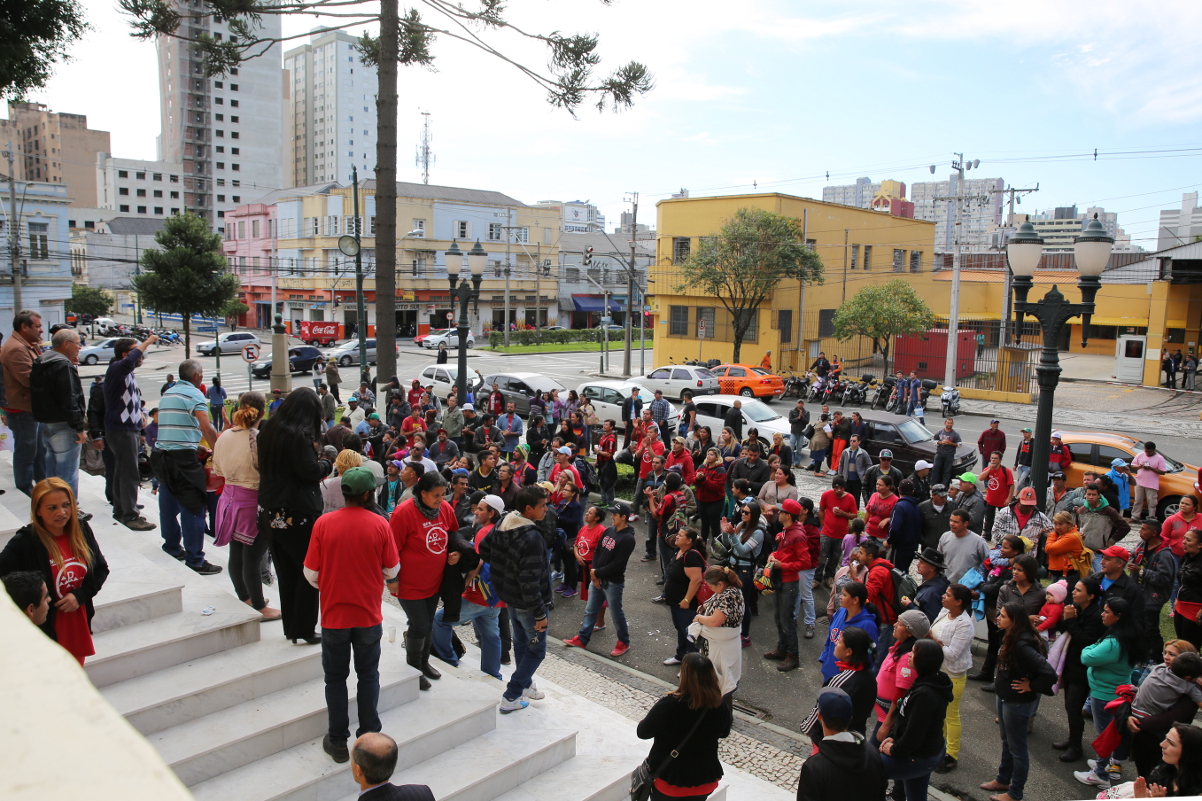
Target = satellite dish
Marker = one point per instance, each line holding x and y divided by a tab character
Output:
932	169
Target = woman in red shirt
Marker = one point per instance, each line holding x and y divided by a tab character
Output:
585	546
62	549
422	527
880	508
710	484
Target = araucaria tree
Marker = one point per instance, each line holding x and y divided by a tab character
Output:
186	274
569	78
883	313
746	261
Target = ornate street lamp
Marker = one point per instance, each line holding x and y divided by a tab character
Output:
464	293
1091	252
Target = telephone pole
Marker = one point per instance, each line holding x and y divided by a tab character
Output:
953	315
634	222
14	233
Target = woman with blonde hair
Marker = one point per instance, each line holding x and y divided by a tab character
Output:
236	459
718	624
61	548
1063	546
331	488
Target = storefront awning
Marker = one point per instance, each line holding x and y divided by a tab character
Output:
593	303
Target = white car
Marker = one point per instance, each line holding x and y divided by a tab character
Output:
676	378
102	351
712	409
444	376
607	397
448	337
231	342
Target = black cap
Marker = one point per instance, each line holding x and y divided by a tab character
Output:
620	508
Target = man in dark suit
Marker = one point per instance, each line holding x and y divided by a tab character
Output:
373	759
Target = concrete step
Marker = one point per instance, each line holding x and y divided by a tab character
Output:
430	726
581	778
200	687
142	648
240	735
10	522
136	591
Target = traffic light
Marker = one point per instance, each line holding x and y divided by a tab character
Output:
337	301
588	257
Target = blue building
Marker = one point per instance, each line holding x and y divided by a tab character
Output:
41	231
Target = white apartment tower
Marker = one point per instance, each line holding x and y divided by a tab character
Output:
226	132
333	98
981	210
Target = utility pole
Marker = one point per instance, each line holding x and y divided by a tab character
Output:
953	315
634	221
424	157
14	233
846	239
508	247
137	272
360	305
538	271
801	295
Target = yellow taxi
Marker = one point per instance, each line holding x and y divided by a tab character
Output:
1096	450
748	380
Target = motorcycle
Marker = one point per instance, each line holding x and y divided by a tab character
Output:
949	401
856	392
818	387
834	391
796	386
894	399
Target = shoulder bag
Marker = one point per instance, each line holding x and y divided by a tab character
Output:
643	780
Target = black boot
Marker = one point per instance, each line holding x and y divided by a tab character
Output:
427	669
1072	753
413	658
458	646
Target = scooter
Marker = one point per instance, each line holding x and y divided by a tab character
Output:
950	401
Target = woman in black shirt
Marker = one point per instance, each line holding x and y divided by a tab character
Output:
680	589
694	772
1083	623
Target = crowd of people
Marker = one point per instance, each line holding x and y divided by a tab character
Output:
483	517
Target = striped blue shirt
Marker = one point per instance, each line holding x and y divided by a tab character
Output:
178	428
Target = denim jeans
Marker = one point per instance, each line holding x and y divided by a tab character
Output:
1102	717
884	641
610	592
29	450
941	473
484	620
1022	475
175	520
62	453
910	776
805	597
787	600
529	650
681	620
1016	762
797	442
336	648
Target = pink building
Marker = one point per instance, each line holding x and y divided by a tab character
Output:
250	247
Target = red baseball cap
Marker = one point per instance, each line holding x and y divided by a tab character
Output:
1117	550
791	507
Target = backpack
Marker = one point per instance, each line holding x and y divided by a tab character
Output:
1082	562
903	587
680	515
588	475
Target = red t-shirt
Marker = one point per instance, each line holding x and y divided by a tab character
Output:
586	540
409	427
649	453
833	526
997	486
70	628
553	476
350	548
422	545
472	593
879	510
608	446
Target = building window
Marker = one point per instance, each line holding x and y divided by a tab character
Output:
233	87
158	193
175	179
158	176
826	323
546	236
784	324
219	117
122	173
678	321
332	225
899	260
681	247
123	190
420	227
174	212
221	165
855	256
234	118
234	103
867	263
158	209
234	135
141	176
254	229
217	101
175	195
141	209
220	148
494	232
371	225
123	209
242	229
39	240
915	261
523	236
462	229
234	151
316	225
236	198
141	193
706	315
236	167
220	134
221	198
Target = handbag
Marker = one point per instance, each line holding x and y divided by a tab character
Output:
642	780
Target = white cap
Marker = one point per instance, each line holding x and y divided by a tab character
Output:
467	406
1057	435
954	484
495	502
922	464
564	449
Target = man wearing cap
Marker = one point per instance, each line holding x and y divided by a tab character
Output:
929	597
792	557
680	457
999	489
660	411
1116	583
563	463
1120	476
353	412
885	468
962	549
920	478
647	449
452	421
468	433
1155	571
367	429
1059	499
366	398
854	464
1022	518
1100	524
1022	459
1149	466
971	500
276	399
1060	457
632	410
443	450
936	512
351	556
510	426
947	439
394	485
991	439
610	559
844	766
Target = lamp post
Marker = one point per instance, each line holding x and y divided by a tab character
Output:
352	245
464	293
1091	252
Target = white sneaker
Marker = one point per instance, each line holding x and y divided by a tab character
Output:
1113	769
533	692
508	706
1091	778
671	661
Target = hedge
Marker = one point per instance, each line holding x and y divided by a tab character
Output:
528	337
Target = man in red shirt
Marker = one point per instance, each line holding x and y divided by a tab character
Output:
413	424
496	401
607	471
999	490
835	507
792	558
649	447
351	554
880	592
680	456
563	463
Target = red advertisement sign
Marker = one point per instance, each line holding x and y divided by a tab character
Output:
316	332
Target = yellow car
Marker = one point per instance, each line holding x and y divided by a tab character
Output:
748	381
1095	450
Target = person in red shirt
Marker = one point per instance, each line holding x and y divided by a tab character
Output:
607	471
351	556
495	401
681	456
835	508
563	464
879	584
413	424
999	489
414	396
880	508
422	527
584	547
648	448
1059	454
791	557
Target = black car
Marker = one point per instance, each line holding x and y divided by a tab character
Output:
910	440
301	359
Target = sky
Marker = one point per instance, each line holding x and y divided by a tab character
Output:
764	95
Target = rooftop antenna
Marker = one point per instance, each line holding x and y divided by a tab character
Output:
424	157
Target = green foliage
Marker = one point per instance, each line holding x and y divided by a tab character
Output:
881	313
528	337
35	37
744	264
89	300
187	274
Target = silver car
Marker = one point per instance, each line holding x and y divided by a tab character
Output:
348	352
676	378
231	342
607	397
518	388
102	351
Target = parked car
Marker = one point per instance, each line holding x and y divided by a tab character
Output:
104	322
554	328
231	342
712	409
444	376
519	387
910	441
676	378
348	352
300	360
1095	450
748	380
448	337
607	396
102	351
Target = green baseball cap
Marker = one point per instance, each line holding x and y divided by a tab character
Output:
357	481
373	416
971	478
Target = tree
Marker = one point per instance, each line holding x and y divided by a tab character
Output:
882	313
89	300
188	275
36	36
569	79
233	310
744	264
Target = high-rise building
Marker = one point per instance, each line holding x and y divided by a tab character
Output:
333	105
141	188
1179	226
576	215
56	148
980	212
859	194
227	132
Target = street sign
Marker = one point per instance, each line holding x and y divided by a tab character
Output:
701	329
250	353
450	317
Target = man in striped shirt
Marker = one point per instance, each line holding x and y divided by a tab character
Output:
183	421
